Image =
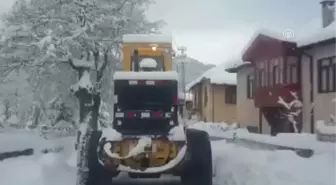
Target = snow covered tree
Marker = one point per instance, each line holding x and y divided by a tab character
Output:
86	34
43	34
293	111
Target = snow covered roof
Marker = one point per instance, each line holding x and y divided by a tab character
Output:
234	67
147	38
216	75
268	33
148	75
320	35
148	63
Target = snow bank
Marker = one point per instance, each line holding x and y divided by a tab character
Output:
177	133
148	63
325	129
148	75
49	169
238	165
21	171
216	75
213	129
147	38
15	141
294	140
111	134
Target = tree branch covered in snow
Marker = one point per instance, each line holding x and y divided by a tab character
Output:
294	109
42	36
40	31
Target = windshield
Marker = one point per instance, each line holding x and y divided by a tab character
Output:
159	60
145	98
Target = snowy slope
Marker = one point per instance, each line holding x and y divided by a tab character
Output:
193	68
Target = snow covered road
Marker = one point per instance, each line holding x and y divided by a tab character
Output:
233	165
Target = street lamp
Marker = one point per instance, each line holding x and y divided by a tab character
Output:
183	57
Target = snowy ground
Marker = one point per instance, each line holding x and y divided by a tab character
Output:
234	165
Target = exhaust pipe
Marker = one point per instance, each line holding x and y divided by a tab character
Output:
136	60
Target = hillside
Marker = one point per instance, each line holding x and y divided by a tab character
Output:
193	67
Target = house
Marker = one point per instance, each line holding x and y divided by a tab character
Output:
214	95
276	68
248	115
263	81
318	64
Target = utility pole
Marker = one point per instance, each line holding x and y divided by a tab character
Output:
183	55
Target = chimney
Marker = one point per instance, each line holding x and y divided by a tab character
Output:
328	10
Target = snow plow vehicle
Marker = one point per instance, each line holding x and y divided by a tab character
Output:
148	138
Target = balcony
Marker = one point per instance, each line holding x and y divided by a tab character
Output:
269	96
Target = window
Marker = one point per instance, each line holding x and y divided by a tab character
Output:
144	97
275	72
262	78
159	60
260	74
250	86
266	74
292	70
205	96
327	75
276	75
281	69
230	95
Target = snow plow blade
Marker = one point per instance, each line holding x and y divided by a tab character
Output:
160	157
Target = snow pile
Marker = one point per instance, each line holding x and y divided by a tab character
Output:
48	169
239	165
177	133
326	132
213	129
110	134
147	38
24	139
148	63
216	75
322	127
295	140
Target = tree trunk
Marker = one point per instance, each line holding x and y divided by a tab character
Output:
95	112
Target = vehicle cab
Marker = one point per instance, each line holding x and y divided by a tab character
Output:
156	47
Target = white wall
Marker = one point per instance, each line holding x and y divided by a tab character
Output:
247	113
323	105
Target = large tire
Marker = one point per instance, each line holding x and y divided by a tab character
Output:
98	175
199	166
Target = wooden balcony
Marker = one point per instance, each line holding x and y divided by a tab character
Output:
269	96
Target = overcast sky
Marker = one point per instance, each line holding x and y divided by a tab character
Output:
216	30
